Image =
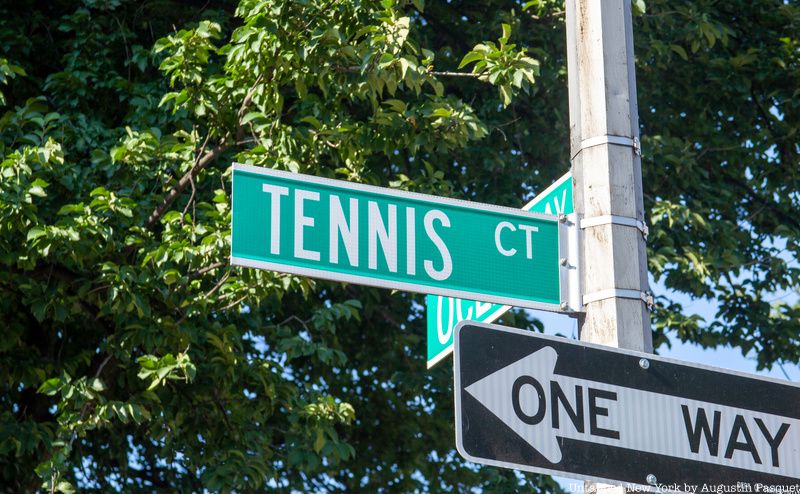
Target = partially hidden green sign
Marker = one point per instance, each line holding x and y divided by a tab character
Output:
445	312
374	236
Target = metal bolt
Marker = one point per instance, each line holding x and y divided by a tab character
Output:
644	364
563	261
564	306
651	479
562	217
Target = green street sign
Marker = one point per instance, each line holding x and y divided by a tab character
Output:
374	236
445	312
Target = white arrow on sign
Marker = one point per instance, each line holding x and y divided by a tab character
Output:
541	407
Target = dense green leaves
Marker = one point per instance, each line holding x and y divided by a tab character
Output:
502	65
134	358
721	133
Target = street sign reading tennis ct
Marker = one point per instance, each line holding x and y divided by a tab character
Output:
444	313
381	237
558	406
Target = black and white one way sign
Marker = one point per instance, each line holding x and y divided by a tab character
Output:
558	406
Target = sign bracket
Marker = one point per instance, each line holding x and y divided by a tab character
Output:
631	142
611	219
570	272
646	297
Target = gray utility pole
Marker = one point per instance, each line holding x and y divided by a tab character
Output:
607	170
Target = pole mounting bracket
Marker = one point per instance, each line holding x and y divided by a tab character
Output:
646	297
631	142
610	219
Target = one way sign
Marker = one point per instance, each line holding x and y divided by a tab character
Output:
558	406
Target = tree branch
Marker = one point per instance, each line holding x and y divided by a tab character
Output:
204	161
453	74
184	182
102	365
233	304
553	15
744	188
206	269
355	69
248	98
219	284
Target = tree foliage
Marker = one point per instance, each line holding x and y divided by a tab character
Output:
134	357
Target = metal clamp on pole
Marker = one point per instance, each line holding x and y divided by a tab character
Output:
611	219
631	142
646	297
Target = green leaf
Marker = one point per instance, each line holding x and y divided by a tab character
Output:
396	105
506	32
680	51
518	78
35	233
97	385
40	183
122	412
171	276
65	487
50	387
37	188
313	121
251	116
505	94
118	153
300	87
319	442
471	57
403	67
